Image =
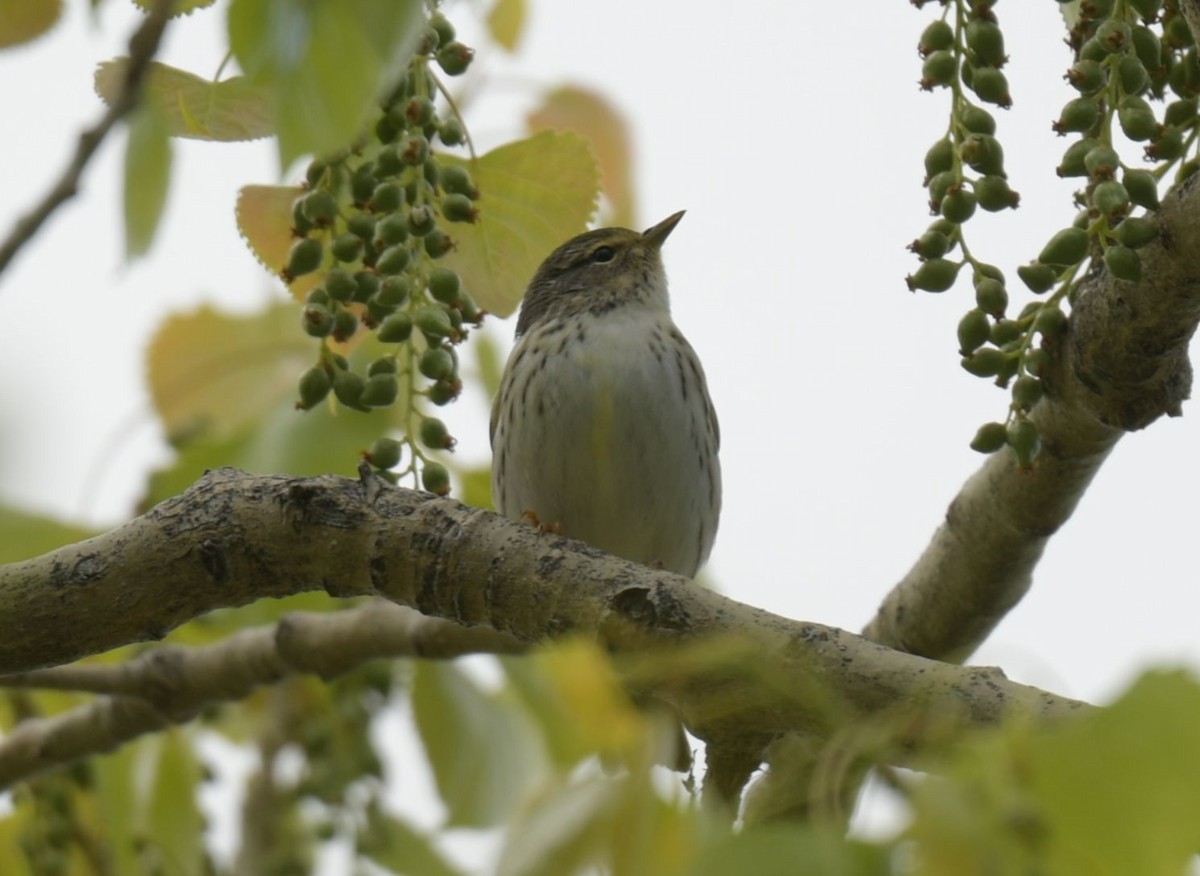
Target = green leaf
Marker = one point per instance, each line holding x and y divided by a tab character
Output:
323	63
535	194
24	534
25	20
171	823
562	832
264	218
195	108
591	115
506	21
147	173
398	846
179	7
483	753
784	850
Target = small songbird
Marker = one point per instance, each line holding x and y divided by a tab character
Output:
603	429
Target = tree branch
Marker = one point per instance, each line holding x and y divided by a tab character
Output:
142	47
234	537
172	684
1122	364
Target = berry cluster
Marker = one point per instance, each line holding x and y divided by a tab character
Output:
1127	53
373	222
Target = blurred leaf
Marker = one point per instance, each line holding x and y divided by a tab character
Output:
786	849
535	194
172	828
593	117
475	487
24	534
147	173
1112	792
12	828
324	63
24	20
264	218
484	757
196	108
565	831
180	7
398	846
506	21
212	373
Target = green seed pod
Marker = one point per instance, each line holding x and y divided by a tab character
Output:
380	391
994	194
459	208
383	365
421	220
469	308
444	285
938	159
941	184
386	198
1092	51
361	225
346	247
1050	321
376	313
1136	231
985	362
934	275
1186	170
388	162
303	258
1177	33
451	132
1101	162
991	86
1079	115
314	386
1137	119
339	361
454	58
1087	77
434	477
435	435
445	30
437	363
443	392
1036	360
1037	277
319	207
959	205
1066	248
432	171
1005	331
939	69
1132	75
456	179
384	453
977	120
1180	112
1082	220
944	226
427	41
1025	441
393	260
1168	146
362	184
434	323
1026	392
300	223
974	331
316	170
391	230
986	43
368	285
931	245
989	438
1072	163
991	296
1123	263
1110	198
419	111
340	285
345	324
414	149
1147	9
983	153
396	329
393	291
1115	35
437	243
937	36
348	388
1184	76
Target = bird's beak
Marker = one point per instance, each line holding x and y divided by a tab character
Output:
655	235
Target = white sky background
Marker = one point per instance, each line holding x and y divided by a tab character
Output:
794	140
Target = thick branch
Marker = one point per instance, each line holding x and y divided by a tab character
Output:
172	684
142	47
1122	364
233	537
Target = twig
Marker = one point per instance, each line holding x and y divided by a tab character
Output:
142	47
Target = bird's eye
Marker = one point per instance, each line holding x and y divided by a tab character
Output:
603	254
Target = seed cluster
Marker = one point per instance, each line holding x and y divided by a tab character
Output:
1127	54
373	221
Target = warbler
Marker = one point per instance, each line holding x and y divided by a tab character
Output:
603	428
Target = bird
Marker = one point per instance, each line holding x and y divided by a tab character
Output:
602	428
